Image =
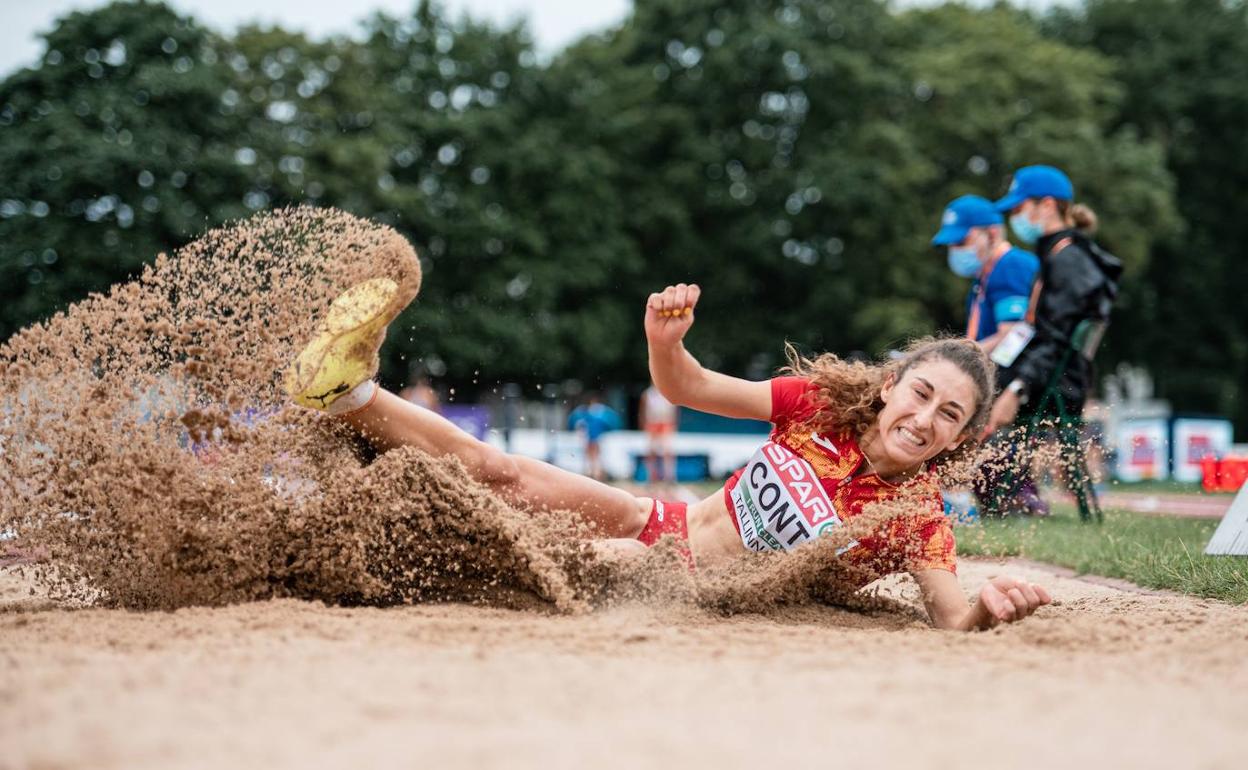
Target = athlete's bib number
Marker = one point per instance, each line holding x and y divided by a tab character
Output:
780	503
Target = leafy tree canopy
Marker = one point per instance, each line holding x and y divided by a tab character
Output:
792	156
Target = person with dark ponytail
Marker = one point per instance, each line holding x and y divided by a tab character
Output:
1078	281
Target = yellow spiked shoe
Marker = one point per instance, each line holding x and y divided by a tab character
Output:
344	351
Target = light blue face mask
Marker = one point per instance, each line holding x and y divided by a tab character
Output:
1027	231
964	261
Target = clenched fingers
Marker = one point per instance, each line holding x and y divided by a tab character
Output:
1021	608
676	301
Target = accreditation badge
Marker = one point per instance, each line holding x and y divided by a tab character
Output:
1015	341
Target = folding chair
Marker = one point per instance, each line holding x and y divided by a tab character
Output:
1053	411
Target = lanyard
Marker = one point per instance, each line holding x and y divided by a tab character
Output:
972	323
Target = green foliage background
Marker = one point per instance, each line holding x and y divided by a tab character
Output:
792	156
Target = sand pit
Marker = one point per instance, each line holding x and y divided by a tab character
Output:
1106	679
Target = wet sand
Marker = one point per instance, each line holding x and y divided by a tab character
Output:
1108	678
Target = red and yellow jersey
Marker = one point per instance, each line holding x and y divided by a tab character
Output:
802	484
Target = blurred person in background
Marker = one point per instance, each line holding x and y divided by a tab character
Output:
658	418
420	391
1078	281
1001	274
593	419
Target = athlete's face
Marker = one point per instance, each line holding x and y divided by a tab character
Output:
925	412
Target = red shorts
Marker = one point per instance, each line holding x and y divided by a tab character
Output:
665	519
668	519
657	429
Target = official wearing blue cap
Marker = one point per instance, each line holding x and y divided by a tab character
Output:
1030	188
1036	182
1077	283
963	214
974	232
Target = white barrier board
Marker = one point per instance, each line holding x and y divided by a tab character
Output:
1196	439
727	452
1231	536
1143	449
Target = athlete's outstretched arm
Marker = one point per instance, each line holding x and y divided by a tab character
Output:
679	376
1001	600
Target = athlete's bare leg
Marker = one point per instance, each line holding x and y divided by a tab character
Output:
391	422
669	459
593	460
653	469
661	461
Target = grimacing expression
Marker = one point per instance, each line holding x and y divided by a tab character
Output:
926	411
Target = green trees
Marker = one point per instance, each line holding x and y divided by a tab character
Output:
113	149
758	158
1002	95
790	155
1183	66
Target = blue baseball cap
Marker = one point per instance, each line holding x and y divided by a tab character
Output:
963	214
1037	182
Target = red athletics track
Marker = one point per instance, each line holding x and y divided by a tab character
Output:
1197	506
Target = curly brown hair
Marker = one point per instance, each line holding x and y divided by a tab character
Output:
849	391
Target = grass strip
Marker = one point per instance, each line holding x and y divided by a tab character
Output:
1163	552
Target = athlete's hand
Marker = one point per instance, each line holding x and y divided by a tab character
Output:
669	313
1004	411
1007	600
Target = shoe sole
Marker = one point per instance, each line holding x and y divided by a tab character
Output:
350	313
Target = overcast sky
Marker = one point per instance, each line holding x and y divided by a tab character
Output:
554	23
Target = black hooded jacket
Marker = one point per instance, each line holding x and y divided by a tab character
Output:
1079	281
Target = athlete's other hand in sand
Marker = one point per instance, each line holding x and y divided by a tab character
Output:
848	438
1007	599
1002	599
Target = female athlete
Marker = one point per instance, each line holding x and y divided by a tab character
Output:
845	436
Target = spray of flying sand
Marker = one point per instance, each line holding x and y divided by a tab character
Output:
149	451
